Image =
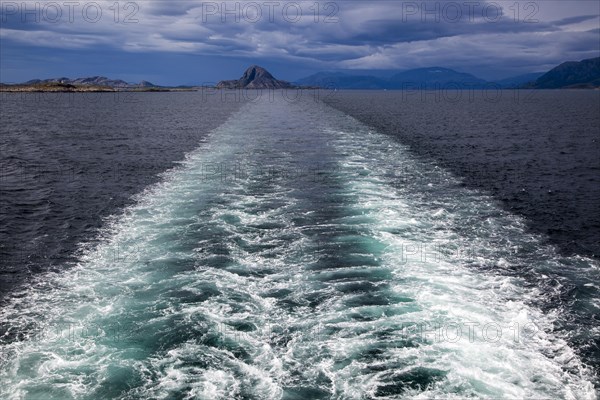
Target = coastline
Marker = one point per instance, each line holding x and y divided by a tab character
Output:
108	89
62	88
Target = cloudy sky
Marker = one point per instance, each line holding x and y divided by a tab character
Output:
194	42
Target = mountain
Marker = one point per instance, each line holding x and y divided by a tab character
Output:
146	84
255	77
339	80
91	81
515	82
572	74
422	78
583	74
435	78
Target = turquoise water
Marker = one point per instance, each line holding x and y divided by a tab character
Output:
284	259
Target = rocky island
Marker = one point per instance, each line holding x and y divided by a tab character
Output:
90	84
255	77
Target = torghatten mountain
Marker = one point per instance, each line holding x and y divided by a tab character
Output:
255	77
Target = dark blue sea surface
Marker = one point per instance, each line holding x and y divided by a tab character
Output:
68	161
537	151
293	252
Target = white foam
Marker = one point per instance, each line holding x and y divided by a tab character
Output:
322	343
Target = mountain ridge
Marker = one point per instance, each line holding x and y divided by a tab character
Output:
419	78
583	74
571	74
91	81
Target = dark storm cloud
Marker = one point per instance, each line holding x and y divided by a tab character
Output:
349	34
382	32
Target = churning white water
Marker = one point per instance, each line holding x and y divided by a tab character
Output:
296	254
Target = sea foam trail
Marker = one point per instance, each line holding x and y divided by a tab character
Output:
285	259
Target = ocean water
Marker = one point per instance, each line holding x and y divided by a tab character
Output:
296	253
70	160
538	151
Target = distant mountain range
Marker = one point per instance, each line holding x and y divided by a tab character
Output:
341	80
255	77
421	78
92	81
572	74
433	78
518	81
584	74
